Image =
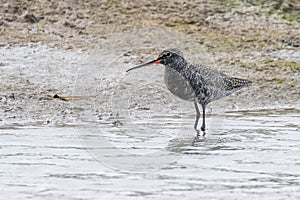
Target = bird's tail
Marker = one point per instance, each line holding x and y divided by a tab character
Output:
234	84
237	82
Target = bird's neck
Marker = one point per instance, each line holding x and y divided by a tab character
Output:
179	65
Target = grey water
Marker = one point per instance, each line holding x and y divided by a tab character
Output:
254	154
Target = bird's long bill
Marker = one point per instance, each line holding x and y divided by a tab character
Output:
156	61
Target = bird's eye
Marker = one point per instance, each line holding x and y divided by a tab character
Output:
168	54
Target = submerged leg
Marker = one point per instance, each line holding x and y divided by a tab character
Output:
197	117
203	122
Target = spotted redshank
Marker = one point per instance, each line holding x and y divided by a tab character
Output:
195	83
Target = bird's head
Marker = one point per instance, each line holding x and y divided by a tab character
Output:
171	58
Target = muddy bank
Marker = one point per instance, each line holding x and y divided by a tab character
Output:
96	86
218	24
83	48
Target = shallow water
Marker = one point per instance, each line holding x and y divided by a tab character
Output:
254	154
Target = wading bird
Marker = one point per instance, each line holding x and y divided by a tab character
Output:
195	83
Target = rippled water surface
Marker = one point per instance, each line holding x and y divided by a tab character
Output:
255	155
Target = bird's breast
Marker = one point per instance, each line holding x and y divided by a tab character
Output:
179	85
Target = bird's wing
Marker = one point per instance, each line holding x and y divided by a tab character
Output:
215	81
208	76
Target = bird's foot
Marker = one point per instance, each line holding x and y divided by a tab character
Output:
198	133
203	130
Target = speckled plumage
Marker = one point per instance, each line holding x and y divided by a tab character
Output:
204	84
196	83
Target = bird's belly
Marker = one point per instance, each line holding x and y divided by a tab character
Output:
179	85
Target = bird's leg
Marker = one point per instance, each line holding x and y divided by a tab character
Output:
197	118
203	122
